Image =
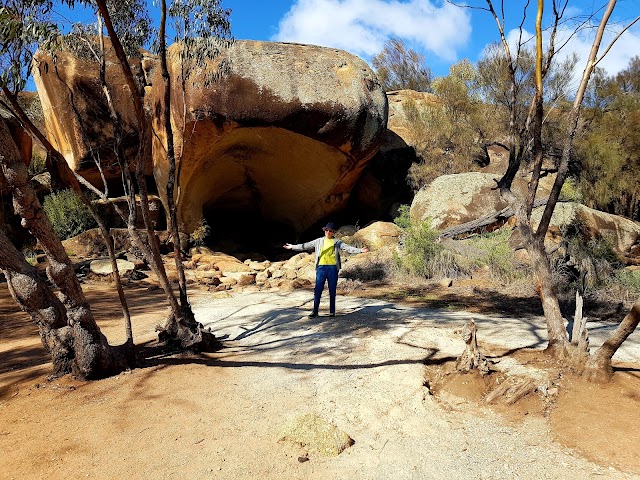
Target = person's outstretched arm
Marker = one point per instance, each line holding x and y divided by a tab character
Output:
299	247
350	249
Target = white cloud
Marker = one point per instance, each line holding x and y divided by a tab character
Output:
625	48
362	26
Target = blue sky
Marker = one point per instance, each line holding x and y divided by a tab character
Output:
442	32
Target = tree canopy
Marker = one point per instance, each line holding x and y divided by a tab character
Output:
399	67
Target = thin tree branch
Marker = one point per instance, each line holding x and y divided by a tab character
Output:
617	37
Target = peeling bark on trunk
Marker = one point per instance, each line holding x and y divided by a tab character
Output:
35	298
93	357
63	171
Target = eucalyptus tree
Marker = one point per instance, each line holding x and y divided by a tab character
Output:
25	27
202	31
399	67
202	23
608	154
597	366
71	336
66	324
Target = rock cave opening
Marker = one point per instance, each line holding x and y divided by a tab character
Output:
245	231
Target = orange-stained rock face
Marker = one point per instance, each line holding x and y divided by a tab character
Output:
283	137
76	113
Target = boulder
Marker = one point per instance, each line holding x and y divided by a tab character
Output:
17	132
398	122
378	235
42	184
90	244
84	127
307	272
459	198
298	261
383	185
282	138
317	435
103	267
242	278
621	232
208	277
263	276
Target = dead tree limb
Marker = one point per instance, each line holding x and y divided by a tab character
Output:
471	358
481	223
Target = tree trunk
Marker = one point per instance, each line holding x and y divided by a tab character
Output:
36	299
556	331
181	328
70	178
598	367
93	357
171	157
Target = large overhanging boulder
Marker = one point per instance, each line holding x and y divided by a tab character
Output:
282	138
76	114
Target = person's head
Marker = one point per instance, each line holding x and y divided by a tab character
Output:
329	230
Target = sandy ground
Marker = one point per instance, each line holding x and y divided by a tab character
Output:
220	416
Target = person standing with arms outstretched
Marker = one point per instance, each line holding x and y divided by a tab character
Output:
327	250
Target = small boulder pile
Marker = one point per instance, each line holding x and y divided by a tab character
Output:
221	272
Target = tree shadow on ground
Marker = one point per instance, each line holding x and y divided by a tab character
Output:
259	336
475	299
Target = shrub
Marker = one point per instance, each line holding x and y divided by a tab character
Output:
421	253
38	164
592	257
31	257
570	192
67	214
629	280
200	233
497	255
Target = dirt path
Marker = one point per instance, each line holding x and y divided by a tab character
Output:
220	416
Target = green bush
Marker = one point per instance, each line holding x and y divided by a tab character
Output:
629	280
497	255
592	257
421	253
38	164
68	215
200	233
570	191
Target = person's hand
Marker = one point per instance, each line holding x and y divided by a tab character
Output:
288	246
365	250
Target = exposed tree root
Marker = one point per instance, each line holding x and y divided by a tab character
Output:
512	390
185	335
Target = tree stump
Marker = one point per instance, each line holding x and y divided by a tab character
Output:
471	358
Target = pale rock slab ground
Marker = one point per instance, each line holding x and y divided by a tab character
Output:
363	371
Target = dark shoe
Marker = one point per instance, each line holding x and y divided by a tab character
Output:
332	314
313	315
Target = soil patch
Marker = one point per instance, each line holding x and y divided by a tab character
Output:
599	422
